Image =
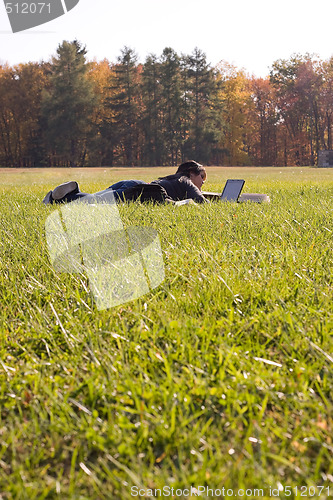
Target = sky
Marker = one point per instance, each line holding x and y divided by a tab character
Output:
250	34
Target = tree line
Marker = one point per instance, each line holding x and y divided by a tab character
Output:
72	112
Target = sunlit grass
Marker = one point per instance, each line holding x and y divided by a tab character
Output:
222	376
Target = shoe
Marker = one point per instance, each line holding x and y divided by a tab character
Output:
48	198
61	191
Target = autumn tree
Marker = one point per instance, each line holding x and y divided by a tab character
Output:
309	88
8	135
20	130
326	104
100	145
297	85
261	126
235	95
33	80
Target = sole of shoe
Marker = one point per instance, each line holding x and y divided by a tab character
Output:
61	191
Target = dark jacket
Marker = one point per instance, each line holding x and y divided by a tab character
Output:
180	187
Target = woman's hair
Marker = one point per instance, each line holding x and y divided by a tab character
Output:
191	167
186	169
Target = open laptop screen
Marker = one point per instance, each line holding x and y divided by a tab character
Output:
232	189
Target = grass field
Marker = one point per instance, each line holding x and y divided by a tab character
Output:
219	378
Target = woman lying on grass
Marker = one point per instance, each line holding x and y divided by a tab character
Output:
186	183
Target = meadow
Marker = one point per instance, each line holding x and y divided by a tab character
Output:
221	377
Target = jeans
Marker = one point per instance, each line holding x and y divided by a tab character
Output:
111	193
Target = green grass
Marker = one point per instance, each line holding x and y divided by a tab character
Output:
222	376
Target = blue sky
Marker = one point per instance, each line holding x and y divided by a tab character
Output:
250	34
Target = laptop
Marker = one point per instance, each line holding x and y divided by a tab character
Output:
232	190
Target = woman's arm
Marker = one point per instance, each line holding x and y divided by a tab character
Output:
192	191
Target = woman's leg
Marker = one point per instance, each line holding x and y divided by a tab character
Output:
69	191
114	192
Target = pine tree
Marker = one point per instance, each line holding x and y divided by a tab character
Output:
125	107
151	119
68	105
202	107
171	106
